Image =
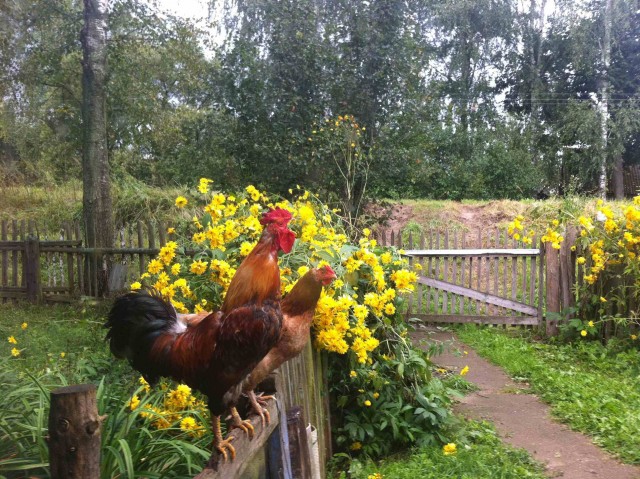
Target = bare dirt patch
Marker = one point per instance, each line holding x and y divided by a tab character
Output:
446	214
522	420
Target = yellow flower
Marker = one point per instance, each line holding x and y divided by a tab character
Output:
389	309
171	230
633	337
367	403
464	371
24	326
154	266
63	354
581	260
15	352
203	185
449	449
181	202
199	267
377	475
190	425
583	333
175	269
135	286
376	395
353	374
356	446
603	299
591	324
134	402
12	340
144	383
253	192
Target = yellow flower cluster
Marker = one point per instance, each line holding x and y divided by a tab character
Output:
516	231
175	407
225	230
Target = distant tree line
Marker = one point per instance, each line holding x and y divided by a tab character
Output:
452	98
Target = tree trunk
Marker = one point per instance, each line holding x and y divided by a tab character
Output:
605	56
618	178
97	203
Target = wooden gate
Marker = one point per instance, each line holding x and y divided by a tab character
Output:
482	278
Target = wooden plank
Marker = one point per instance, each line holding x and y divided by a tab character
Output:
411	263
533	270
495	266
32	270
140	255
478	319
429	271
445	275
552	261
80	261
70	273
477	252
245	448
478	295
420	287
463	266
454	298
480	307
436	293
14	254
514	271
5	257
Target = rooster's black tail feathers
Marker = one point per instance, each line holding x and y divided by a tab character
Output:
135	321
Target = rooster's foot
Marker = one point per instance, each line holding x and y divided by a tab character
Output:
225	445
258	403
245	425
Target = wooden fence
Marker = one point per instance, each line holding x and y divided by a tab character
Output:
38	265
482	277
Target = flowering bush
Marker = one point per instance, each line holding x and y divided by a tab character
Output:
357	319
606	251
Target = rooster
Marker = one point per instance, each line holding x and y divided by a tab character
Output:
216	355
298	308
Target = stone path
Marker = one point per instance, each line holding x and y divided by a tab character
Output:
523	420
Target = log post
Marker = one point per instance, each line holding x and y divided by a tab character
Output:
32	269
553	289
74	433
298	444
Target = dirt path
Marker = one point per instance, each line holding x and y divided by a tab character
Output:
524	421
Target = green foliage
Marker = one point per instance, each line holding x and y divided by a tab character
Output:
393	403
480	454
591	387
131	447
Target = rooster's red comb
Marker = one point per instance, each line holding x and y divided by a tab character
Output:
278	215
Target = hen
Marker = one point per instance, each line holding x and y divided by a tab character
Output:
215	355
298	308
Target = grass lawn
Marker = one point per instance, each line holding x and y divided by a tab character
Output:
480	454
593	388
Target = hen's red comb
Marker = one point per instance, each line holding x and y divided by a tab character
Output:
278	215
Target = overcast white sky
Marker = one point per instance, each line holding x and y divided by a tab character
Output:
185	8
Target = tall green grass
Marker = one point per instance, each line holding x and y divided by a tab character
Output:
131	446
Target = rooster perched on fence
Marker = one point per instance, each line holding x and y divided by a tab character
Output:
217	354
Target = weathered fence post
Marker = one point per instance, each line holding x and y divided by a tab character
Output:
32	269
298	444
553	288
74	433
